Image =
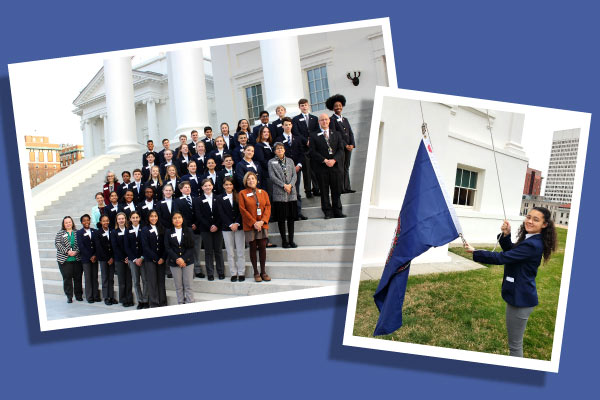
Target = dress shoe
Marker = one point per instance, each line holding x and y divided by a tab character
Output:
200	275
234	278
285	245
302	217
79	298
257	278
265	277
169	275
309	195
98	299
140	306
327	216
221	276
317	193
69	300
340	216
108	302
349	191
146	305
114	301
293	245
90	301
211	277
241	278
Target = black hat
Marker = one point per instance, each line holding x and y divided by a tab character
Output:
333	99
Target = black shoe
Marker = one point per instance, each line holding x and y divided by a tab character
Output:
234	278
108	302
302	217
200	275
69	300
90	301
293	245
221	276
309	195
211	277
79	298
316	193
285	245
114	301
241	278
146	305
98	299
140	306
340	216
169	275
328	216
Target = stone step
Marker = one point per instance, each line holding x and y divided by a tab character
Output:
276	269
226	287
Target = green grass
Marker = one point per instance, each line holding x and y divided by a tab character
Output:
464	310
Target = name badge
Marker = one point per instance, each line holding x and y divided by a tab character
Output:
131	207
320	134
184	161
154	184
301	119
173	235
115	209
279	125
132	231
249	194
164	202
510	279
330	152
274	162
65	235
144	207
194	178
88	235
258	212
105	189
148	167
121	233
285	141
225	197
205	201
105	234
154	230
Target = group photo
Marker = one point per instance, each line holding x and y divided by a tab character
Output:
210	174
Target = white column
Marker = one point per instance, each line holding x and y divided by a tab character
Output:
188	83
152	122
282	73
88	142
120	134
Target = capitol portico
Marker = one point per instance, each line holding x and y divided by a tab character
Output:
178	91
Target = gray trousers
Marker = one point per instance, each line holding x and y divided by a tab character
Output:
516	322
90	274
108	279
183	278
235	243
139	282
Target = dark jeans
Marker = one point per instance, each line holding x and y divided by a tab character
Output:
90	273
125	282
213	249
155	277
71	272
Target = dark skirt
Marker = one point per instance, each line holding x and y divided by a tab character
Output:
282	210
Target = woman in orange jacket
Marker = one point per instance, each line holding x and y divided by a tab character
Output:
255	209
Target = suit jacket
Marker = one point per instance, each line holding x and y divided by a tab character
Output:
63	245
228	214
255	130
200	163
133	243
137	195
87	247
238	153
126	209
145	211
182	165
218	159
156	186
248	210
164	216
176	191
194	183
204	214
232	142
278	124
221	178
175	249
187	211
117	240
295	151
263	153
300	127
209	144
214	181
163	167
342	126
521	262
104	250
161	157
146	171
153	244
112	211
319	151
145	162
242	167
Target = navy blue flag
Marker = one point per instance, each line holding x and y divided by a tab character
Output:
427	219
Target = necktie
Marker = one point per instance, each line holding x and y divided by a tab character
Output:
327	135
189	200
306	119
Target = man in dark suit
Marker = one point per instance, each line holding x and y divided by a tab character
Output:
137	185
278	123
264	121
182	141
161	154
338	123
304	124
150	146
327	154
294	145
192	144
209	142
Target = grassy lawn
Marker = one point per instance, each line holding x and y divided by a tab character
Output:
464	310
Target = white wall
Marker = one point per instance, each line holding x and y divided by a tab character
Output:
460	138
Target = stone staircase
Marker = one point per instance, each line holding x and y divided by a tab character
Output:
323	257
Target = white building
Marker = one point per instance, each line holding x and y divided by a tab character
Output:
174	93
462	144
561	167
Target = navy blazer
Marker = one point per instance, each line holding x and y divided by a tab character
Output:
209	144
153	244
228	214
124	208
343	127
263	154
295	150
121	191
87	246
146	169
182	165
218	159
200	163
104	250
165	218
163	167
161	157
175	250
194	183
145	162
221	178
205	216
278	124
156	186
252	139
242	167
206	176
117	240
112	211
238	153
144	211
187	211
299	126
176	191
133	243
137	195
232	142
521	262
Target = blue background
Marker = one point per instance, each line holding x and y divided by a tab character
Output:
525	52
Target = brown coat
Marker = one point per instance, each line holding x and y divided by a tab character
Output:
248	208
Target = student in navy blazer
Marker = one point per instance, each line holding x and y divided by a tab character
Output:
263	153
129	204
106	260
200	158
536	240
242	126
179	247
117	240
211	173
185	206
153	251
219	152
184	156
247	164
207	222
87	251
341	124
233	232
150	146
238	151
172	177
227	171
113	208
208	140
133	248
193	178
264	122
148	204
167	207
155	182
304	124
150	162
228	138
137	186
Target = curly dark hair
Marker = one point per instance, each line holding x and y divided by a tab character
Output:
333	99
548	233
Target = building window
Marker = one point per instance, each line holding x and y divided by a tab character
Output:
465	187
318	87
254	100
